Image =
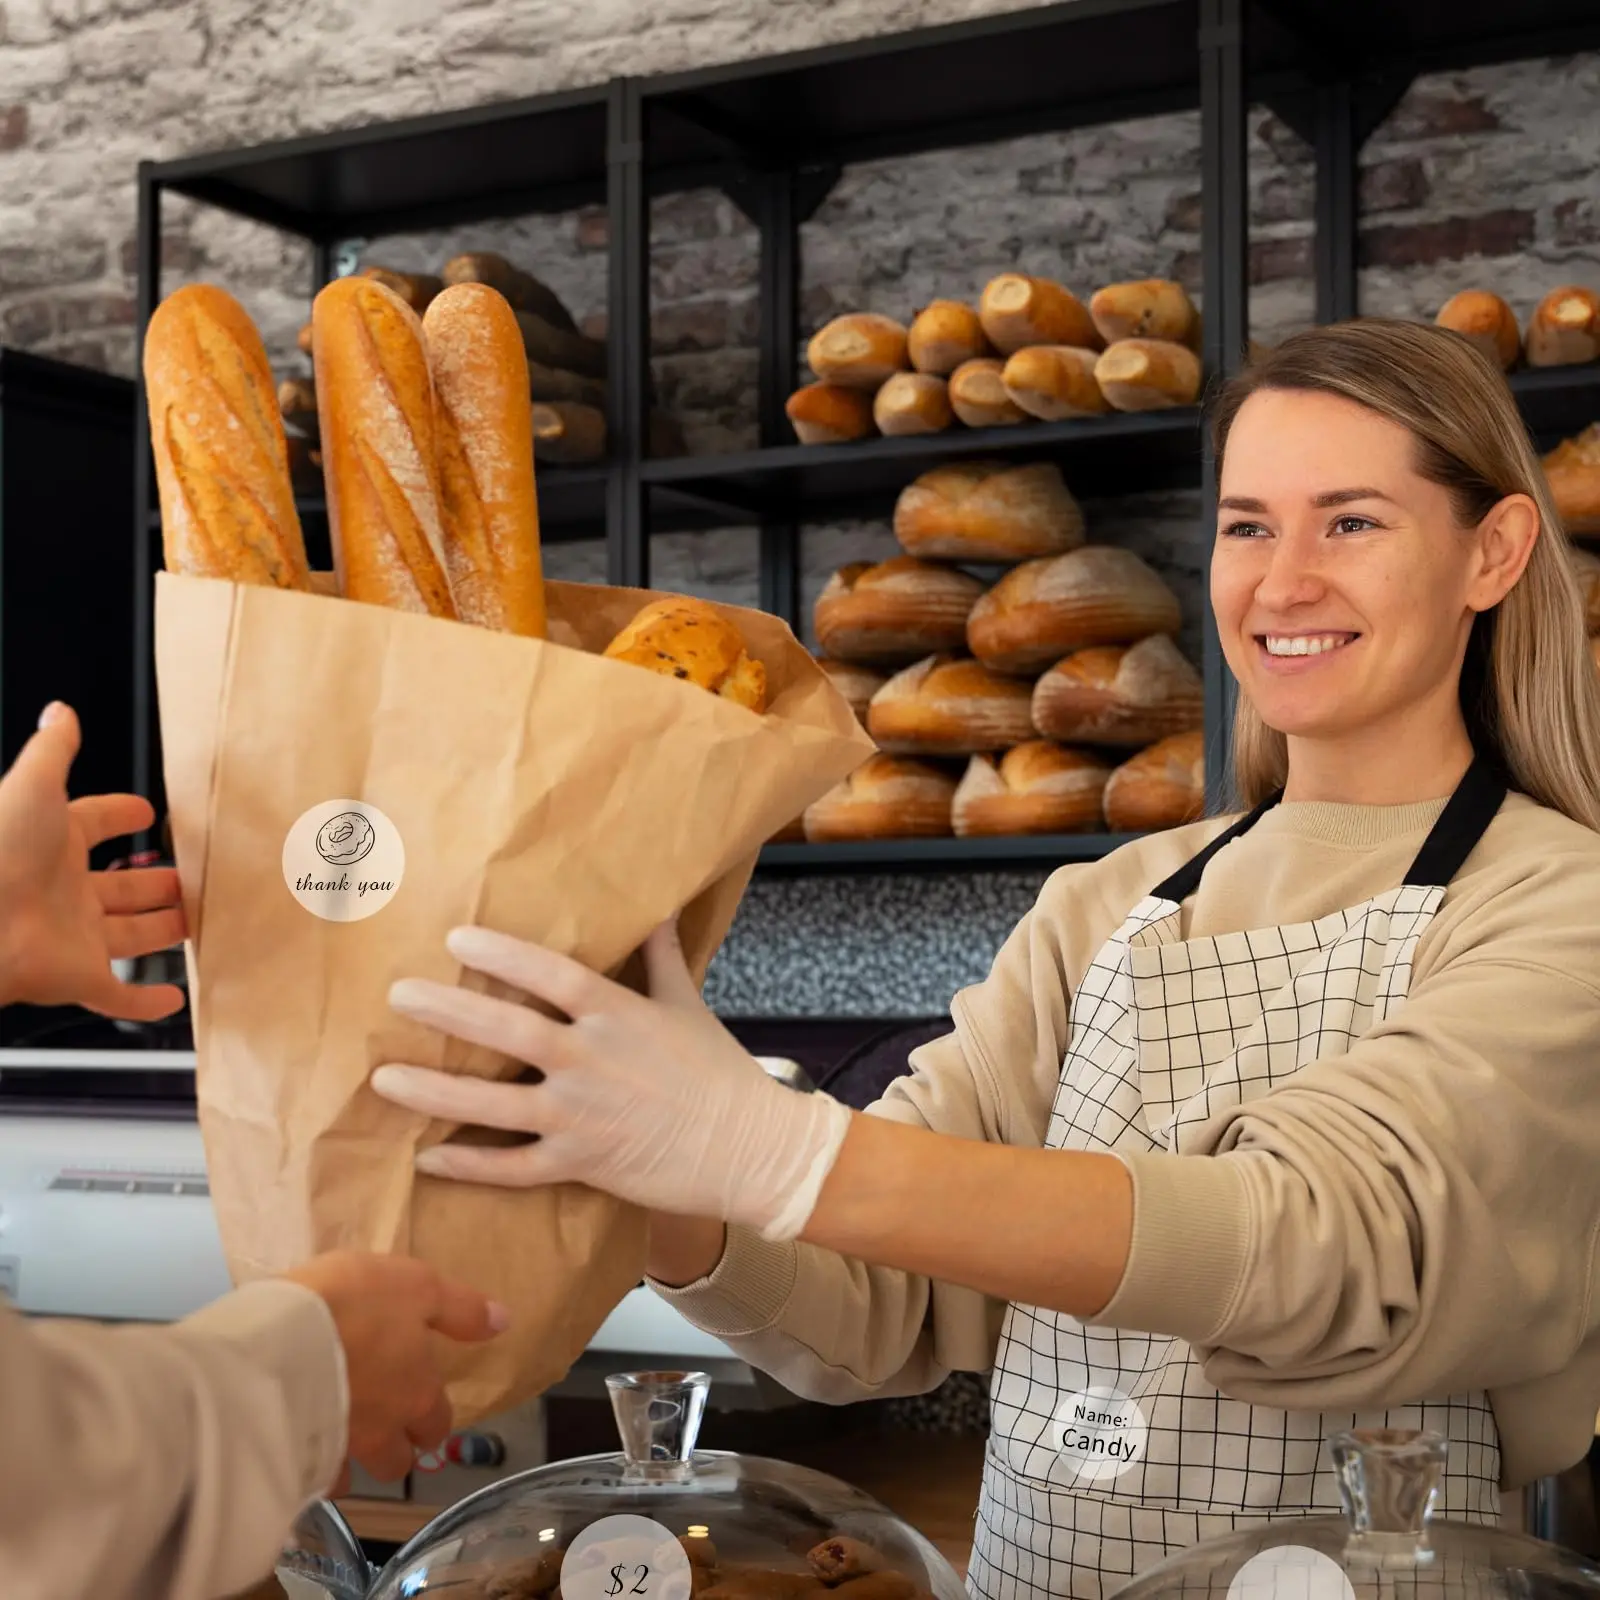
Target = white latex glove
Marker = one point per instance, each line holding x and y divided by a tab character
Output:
649	1098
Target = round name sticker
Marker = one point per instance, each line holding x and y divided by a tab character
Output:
1100	1433
343	860
1291	1572
626	1558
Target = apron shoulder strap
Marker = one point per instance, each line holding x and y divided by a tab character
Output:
1186	879
1463	822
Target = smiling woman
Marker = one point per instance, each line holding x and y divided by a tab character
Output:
1259	1129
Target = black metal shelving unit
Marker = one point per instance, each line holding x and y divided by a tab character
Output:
774	135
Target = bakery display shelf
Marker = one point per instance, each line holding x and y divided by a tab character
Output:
1033	852
1557	402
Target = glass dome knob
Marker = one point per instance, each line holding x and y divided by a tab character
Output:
658	1417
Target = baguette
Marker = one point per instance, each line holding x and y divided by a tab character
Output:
1043	610
886	797
379	447
859	351
1053	381
522	289
417	289
988	511
555	383
910	403
856	683
1572	470
484	424
1564	328
943	335
1036	787
1161	787
680	637
949	705
568	434
829	413
1487	321
978	395
1111	695
1017	311
1148	375
221	457
1148	308
551	346
894	613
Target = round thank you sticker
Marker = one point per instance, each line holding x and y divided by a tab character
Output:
1291	1572
1100	1434
626	1558
343	860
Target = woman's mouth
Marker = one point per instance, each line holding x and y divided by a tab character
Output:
1297	651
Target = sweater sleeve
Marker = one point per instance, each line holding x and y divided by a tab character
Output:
243	1408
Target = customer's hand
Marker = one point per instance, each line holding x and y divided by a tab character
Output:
647	1097
61	925
387	1310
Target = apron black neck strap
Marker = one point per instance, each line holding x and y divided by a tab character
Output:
1463	822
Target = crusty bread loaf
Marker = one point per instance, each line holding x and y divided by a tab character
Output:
550	346
1123	695
829	413
1572	470
855	682
792	832
1053	381
860	351
568	434
1017	310
522	289
1161	787
555	383
1148	375
978	395
910	403
894	613
1586	565
297	402
680	637
1038	787
886	797
1147	308
949	705
1043	610
485	443
222	461
417	289
943	335
1487	321
379	448
1564	328
988	511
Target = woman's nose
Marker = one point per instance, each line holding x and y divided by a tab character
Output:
1293	574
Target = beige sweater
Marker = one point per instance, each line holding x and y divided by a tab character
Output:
165	1463
1411	1219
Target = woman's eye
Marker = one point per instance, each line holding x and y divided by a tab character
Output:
1353	524
1243	530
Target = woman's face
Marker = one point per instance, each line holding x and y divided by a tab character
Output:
1344	590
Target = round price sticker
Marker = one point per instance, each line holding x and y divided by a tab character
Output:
626	1558
1291	1572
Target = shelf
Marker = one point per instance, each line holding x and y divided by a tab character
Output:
1557	402
1022	851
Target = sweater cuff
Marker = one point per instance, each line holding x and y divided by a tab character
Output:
1190	1248
287	1331
747	1291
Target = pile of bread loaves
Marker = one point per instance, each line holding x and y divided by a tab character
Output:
1058	688
1031	350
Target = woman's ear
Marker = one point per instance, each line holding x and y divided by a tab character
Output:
1505	539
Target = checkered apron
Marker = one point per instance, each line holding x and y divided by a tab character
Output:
1165	1034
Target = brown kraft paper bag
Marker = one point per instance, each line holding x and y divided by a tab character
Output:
347	783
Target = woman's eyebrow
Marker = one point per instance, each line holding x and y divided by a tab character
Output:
1332	497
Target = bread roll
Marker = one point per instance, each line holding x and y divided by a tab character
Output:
1148	308
1128	696
522	289
549	346
886	797
1041	611
949	706
221	458
1017	310
1586	566
1148	375
829	413
856	683
1487	321
1160	787
379	448
485	443
1572	470
860	351
1564	328
680	637
297	402
417	289
792	832
303	338
988	511
978	395
1053	381
568	434
1036	788
894	613
944	334
555	383
912	402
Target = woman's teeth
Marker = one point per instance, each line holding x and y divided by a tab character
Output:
1304	644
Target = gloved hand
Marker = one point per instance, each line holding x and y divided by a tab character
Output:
649	1098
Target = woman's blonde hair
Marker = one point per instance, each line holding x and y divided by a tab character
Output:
1530	690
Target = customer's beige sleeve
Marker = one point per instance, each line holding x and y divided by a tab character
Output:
165	1463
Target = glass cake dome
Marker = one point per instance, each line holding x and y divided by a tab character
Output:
323	1559
661	1521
